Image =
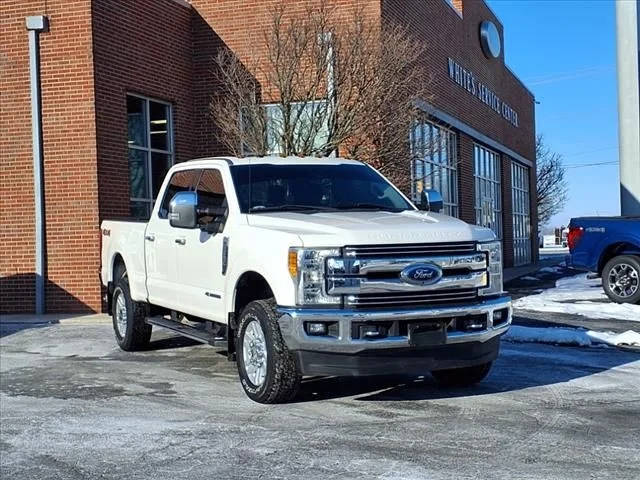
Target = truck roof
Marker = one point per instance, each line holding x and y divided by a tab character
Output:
275	160
607	218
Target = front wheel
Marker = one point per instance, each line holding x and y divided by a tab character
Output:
268	371
462	377
621	279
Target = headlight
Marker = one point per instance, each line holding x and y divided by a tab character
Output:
494	254
307	268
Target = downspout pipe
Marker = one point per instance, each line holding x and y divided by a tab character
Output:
36	25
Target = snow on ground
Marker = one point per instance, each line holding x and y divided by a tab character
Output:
571	336
578	295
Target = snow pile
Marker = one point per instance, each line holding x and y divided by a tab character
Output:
578	295
627	338
571	336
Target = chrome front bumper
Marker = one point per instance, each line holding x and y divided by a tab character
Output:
292	325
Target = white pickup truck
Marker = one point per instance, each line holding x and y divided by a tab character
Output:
307	266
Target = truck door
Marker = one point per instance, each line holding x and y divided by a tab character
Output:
161	247
200	252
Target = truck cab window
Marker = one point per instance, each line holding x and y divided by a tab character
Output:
181	181
212	201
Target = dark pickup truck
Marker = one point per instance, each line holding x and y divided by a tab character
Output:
610	247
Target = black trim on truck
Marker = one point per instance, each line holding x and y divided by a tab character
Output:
409	361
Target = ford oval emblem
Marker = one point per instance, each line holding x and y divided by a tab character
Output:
421	274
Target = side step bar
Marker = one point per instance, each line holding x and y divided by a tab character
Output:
194	333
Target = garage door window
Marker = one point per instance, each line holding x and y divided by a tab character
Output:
433	150
488	202
521	216
150	146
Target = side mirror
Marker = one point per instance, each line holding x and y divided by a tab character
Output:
431	201
182	210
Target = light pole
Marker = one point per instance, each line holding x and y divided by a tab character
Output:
628	53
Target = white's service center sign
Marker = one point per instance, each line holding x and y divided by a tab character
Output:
467	80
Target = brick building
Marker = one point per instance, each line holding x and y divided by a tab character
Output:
125	92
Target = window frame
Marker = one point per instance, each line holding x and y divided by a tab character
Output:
149	150
268	105
446	172
521	211
165	198
492	179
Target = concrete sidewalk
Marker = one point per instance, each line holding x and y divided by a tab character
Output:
53	318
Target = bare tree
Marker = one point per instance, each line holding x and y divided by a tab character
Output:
551	186
319	85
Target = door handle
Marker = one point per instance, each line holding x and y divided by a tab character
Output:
150	237
180	241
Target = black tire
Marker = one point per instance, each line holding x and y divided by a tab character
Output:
630	278
462	377
283	377
137	332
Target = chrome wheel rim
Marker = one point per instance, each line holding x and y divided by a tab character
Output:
254	353
623	280
121	315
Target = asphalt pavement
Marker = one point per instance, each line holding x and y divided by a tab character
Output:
73	406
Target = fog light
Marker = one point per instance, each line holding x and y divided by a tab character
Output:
500	316
475	322
372	331
317	328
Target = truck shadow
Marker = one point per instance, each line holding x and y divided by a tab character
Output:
518	368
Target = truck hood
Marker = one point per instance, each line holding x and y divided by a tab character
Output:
336	229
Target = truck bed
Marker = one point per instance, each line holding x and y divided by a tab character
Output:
126	236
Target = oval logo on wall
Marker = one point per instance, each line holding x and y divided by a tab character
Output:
421	274
490	39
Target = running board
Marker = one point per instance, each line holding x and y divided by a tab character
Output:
197	334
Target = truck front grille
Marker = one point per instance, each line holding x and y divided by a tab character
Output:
411	299
411	249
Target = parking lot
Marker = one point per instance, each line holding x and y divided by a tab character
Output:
73	406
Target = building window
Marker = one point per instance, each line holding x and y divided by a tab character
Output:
488	203
434	165
521	214
310	127
150	143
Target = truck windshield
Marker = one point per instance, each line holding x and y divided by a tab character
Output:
314	188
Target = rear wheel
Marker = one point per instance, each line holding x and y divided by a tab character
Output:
268	371
621	279
462	377
131	331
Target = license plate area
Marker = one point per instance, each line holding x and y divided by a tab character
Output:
428	333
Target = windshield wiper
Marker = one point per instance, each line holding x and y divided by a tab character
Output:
288	207
369	206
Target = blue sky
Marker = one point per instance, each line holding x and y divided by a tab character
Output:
565	52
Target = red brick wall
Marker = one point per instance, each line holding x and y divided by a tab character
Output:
454	32
241	25
164	49
141	47
465	179
446	34
69	159
145	50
